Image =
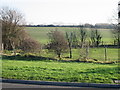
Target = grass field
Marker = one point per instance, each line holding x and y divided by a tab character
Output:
50	70
94	53
40	33
60	71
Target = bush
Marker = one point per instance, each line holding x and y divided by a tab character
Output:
30	45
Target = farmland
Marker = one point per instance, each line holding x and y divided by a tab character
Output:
40	33
84	54
95	53
45	67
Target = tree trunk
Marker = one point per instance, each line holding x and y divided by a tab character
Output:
70	52
97	44
59	56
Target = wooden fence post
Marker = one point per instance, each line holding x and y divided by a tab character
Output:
105	53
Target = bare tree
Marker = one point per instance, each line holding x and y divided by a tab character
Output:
83	36
13	34
115	20
72	41
95	37
12	24
84	51
116	30
58	43
116	35
75	40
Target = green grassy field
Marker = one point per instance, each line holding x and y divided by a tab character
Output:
94	53
50	70
59	71
40	33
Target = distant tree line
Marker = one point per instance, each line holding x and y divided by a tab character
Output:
103	26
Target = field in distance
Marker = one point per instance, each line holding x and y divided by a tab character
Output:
40	33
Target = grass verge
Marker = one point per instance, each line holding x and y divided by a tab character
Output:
60	71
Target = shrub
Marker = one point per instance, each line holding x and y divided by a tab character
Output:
30	45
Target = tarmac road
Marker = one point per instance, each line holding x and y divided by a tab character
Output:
16	85
12	83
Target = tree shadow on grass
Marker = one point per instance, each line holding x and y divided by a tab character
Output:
27	58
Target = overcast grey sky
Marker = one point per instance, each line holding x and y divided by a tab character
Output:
64	11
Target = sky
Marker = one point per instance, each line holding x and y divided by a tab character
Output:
65	12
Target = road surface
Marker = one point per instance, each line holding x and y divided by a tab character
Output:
16	85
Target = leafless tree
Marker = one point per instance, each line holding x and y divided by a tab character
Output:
13	34
75	42
58	43
72	41
84	51
116	34
95	37
83	36
12	24
116	23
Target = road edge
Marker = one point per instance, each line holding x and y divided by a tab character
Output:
73	84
